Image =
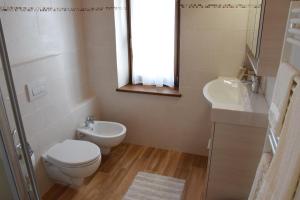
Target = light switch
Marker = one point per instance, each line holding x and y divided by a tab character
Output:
36	89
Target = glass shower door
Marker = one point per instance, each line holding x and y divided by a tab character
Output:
7	186
17	179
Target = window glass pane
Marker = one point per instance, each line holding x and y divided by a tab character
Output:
153	41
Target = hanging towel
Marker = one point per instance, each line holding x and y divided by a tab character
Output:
281	180
281	94
262	169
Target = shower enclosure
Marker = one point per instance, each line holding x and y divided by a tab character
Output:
17	178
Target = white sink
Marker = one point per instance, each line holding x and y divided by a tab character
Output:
227	93
232	102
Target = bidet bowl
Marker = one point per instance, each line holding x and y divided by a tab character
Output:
103	133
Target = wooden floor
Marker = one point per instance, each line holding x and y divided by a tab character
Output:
118	170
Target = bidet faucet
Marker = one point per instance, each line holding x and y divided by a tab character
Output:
89	121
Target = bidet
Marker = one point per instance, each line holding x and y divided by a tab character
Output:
105	134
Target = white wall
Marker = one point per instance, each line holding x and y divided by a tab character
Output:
49	45
212	44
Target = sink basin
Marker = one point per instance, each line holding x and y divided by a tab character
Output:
227	93
232	102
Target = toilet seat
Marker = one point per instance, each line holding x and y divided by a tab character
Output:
73	153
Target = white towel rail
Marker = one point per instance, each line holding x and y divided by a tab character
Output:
293	41
272	137
296	11
292	38
295	31
295	20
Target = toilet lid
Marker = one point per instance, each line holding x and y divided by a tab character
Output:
73	153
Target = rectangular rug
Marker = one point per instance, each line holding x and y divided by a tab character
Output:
148	186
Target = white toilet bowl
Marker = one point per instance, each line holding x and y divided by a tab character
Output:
104	134
71	161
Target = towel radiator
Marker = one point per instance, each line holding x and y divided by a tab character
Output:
293	29
272	137
292	42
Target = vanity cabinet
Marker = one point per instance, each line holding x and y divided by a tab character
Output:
235	151
240	120
265	34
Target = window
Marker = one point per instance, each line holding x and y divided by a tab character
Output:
153	42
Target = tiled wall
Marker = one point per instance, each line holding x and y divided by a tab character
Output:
212	45
49	45
58	39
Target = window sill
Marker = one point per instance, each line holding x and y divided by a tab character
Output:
153	90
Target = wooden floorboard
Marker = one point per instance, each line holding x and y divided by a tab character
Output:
117	171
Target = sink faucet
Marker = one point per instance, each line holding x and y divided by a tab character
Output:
254	82
89	121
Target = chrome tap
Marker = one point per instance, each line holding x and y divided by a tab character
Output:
254	82
89	121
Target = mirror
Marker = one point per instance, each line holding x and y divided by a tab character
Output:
253	28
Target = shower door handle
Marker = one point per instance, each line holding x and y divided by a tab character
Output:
14	132
18	146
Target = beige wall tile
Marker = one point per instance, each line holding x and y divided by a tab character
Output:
75	53
49	46
211	45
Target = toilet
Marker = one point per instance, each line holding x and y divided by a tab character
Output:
70	161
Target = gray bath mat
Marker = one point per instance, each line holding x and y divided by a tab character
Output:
148	186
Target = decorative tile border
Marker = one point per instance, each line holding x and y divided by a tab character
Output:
109	8
54	9
200	5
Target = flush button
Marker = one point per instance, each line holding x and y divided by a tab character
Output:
36	89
